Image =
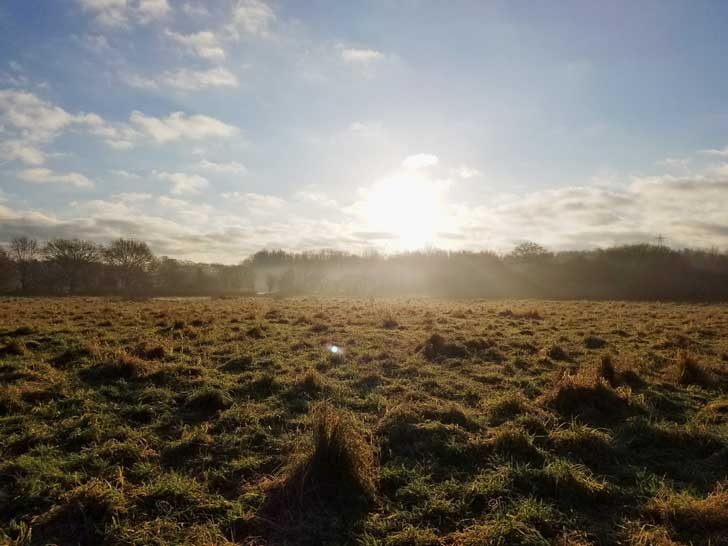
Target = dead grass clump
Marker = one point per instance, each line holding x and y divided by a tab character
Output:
389	323
337	470
73	355
14	347
10	400
515	443
715	412
22	331
617	374
532	314
121	366
506	407
436	347
689	371
499	532
207	401
589	397
641	534
84	516
702	521
594	342
149	351
238	364
556	352
585	444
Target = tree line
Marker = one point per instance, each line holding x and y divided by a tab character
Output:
130	268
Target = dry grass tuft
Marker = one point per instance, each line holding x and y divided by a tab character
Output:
14	347
436	347
591	397
83	518
689	371
703	521
337	470
121	366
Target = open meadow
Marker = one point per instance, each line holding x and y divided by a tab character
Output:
362	421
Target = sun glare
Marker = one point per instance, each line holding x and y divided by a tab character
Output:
406	206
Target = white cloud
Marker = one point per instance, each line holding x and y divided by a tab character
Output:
420	161
34	118
152	9
184	183
46	176
195	10
132	197
256	202
354	55
15	150
365	127
125	174
204	44
253	17
231	167
722	153
186	79
466	172
119	13
178	126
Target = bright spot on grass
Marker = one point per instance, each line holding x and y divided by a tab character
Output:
334	349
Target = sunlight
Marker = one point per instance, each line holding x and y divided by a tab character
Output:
408	206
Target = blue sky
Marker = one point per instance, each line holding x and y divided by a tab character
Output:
214	129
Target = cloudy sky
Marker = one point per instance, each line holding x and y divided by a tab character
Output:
213	129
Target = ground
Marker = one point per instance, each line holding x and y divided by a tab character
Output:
468	422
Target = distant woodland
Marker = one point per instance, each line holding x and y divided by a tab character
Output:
129	268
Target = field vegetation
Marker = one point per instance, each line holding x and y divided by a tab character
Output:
362	421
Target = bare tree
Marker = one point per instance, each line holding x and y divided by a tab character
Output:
7	271
132	261
529	251
24	252
72	257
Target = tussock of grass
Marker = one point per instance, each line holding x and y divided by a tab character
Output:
14	347
594	342
207	401
590	397
700	520
499	532
238	364
515	443
506	407
556	352
83	518
583	443
311	383
77	354
689	371
337	470
120	366
532	314
390	323
436	347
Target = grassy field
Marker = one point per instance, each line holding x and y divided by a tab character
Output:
227	421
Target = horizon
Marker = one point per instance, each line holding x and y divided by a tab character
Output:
217	129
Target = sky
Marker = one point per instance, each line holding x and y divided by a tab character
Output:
215	129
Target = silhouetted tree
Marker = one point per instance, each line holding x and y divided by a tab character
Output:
8	271
529	252
72	259
24	252
132	263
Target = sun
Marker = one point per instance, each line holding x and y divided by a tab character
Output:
407	206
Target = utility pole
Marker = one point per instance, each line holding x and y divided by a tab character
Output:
660	240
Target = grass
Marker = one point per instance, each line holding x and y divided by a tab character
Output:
230	421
